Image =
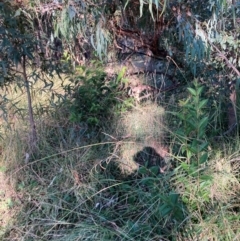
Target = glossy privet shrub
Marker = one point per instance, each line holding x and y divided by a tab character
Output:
192	142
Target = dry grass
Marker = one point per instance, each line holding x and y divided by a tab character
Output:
144	122
54	194
142	127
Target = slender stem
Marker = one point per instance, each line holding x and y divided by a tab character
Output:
33	135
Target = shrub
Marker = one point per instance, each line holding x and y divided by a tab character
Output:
93	98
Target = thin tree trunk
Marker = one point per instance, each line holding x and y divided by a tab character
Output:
33	132
233	109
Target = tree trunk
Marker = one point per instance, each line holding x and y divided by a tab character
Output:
33	132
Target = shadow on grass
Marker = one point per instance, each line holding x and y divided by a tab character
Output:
77	195
142	205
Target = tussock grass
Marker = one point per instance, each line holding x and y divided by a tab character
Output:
144	122
141	126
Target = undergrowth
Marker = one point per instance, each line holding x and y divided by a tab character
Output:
131	183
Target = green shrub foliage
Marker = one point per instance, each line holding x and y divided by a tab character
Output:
93	99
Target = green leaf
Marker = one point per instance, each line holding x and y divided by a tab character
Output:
180	115
192	91
204	158
126	187
203	146
202	103
165	210
193	124
174	198
203	123
194	146
201	132
189	154
200	90
148	181
206	178
142	170
154	170
121	74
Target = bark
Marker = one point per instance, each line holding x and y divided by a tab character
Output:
33	132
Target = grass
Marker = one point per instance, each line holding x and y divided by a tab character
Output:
77	188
